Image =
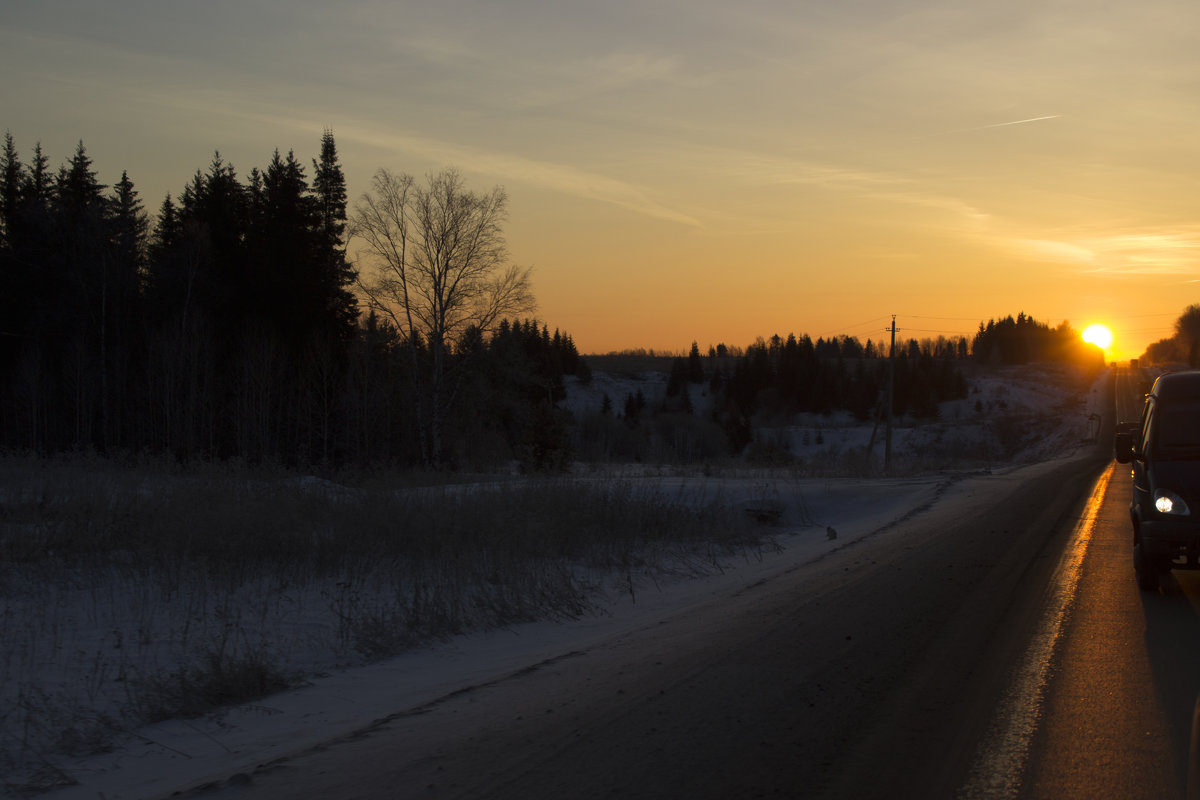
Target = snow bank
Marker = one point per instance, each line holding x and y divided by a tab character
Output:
161	758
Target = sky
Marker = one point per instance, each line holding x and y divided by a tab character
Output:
691	170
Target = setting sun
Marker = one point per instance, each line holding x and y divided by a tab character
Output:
1099	335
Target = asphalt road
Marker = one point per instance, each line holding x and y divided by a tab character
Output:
1118	715
882	670
1118	710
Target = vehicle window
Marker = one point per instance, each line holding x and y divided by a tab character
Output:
1178	429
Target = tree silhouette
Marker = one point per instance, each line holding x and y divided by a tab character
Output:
11	176
336	275
329	189
125	264
229	331
1021	340
441	268
1187	332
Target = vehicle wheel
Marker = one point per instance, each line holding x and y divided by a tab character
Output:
1146	568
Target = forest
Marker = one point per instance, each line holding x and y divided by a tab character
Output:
228	328
232	325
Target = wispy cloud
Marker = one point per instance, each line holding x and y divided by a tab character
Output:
1051	250
548	175
578	80
953	207
744	175
876	185
570	180
1173	252
754	168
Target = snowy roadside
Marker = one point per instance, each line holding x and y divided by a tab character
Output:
166	757
816	516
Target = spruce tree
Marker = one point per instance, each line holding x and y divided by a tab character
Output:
69	318
130	225
329	188
220	210
285	286
37	191
11	177
79	220
13	286
78	191
695	365
124	272
336	274
33	245
167	228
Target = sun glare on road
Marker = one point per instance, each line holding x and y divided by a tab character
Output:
1098	335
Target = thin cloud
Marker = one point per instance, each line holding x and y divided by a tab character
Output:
1150	253
755	169
557	177
1050	250
575	82
548	175
752	168
952	206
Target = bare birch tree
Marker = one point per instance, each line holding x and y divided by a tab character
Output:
440	267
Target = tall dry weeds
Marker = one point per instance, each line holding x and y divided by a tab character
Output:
133	594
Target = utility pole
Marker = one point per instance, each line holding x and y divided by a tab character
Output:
887	439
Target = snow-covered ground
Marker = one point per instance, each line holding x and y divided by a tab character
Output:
817	515
1017	414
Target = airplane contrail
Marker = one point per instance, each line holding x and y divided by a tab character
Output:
1015	122
1004	124
1000	125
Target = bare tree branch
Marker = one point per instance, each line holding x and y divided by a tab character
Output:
440	267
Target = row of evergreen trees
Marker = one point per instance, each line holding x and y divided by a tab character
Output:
781	377
225	328
214	333
849	347
1024	339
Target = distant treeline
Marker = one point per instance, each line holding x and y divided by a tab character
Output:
792	375
1022	340
783	376
770	380
1009	340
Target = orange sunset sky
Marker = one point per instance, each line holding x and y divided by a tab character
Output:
684	170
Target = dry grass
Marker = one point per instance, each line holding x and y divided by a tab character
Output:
138	593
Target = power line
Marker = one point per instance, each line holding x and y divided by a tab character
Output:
845	328
930	330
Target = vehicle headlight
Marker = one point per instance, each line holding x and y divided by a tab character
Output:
1170	503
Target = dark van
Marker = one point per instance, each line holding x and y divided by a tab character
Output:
1165	451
